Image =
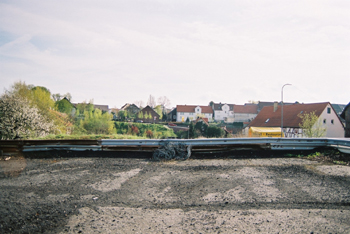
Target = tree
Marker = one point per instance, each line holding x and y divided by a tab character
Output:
159	111
140	115
311	125
62	121
21	89
201	128
214	131
151	101
191	131
57	97
139	104
164	101
96	122
37	96
123	115
19	120
41	98
64	106
85	106
145	115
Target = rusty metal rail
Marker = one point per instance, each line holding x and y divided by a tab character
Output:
197	145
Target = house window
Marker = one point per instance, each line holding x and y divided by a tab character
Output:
181	113
324	121
328	110
332	121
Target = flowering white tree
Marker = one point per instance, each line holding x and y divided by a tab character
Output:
19	120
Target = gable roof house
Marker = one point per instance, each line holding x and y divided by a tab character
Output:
270	116
131	108
245	113
223	112
346	116
192	112
103	108
171	116
263	104
147	115
234	113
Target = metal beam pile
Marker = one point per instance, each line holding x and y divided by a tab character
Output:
197	145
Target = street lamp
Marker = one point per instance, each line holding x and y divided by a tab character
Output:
282	109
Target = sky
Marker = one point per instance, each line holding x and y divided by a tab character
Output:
191	51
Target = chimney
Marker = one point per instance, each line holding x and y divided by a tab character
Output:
275	105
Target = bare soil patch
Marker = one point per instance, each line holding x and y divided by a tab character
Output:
119	195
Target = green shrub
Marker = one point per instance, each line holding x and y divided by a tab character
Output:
156	131
213	131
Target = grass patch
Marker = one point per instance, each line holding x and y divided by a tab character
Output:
327	156
341	162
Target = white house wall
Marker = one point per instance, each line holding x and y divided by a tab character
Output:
335	129
243	117
223	114
182	116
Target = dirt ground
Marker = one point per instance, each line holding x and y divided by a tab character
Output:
118	195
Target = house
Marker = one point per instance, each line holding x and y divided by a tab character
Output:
263	104
203	120
230	113
338	108
346	116
147	115
245	113
223	112
192	112
103	108
65	106
270	116
171	116
130	108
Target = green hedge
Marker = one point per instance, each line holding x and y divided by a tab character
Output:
156	131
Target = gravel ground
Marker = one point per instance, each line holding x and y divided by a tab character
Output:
118	195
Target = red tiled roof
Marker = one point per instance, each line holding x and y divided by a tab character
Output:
247	109
191	108
290	115
205	120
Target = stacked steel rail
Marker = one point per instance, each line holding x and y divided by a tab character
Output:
197	145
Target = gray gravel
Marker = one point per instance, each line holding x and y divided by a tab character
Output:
114	195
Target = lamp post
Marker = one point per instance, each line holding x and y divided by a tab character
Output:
282	109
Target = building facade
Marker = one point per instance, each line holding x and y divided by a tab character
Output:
192	112
271	116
